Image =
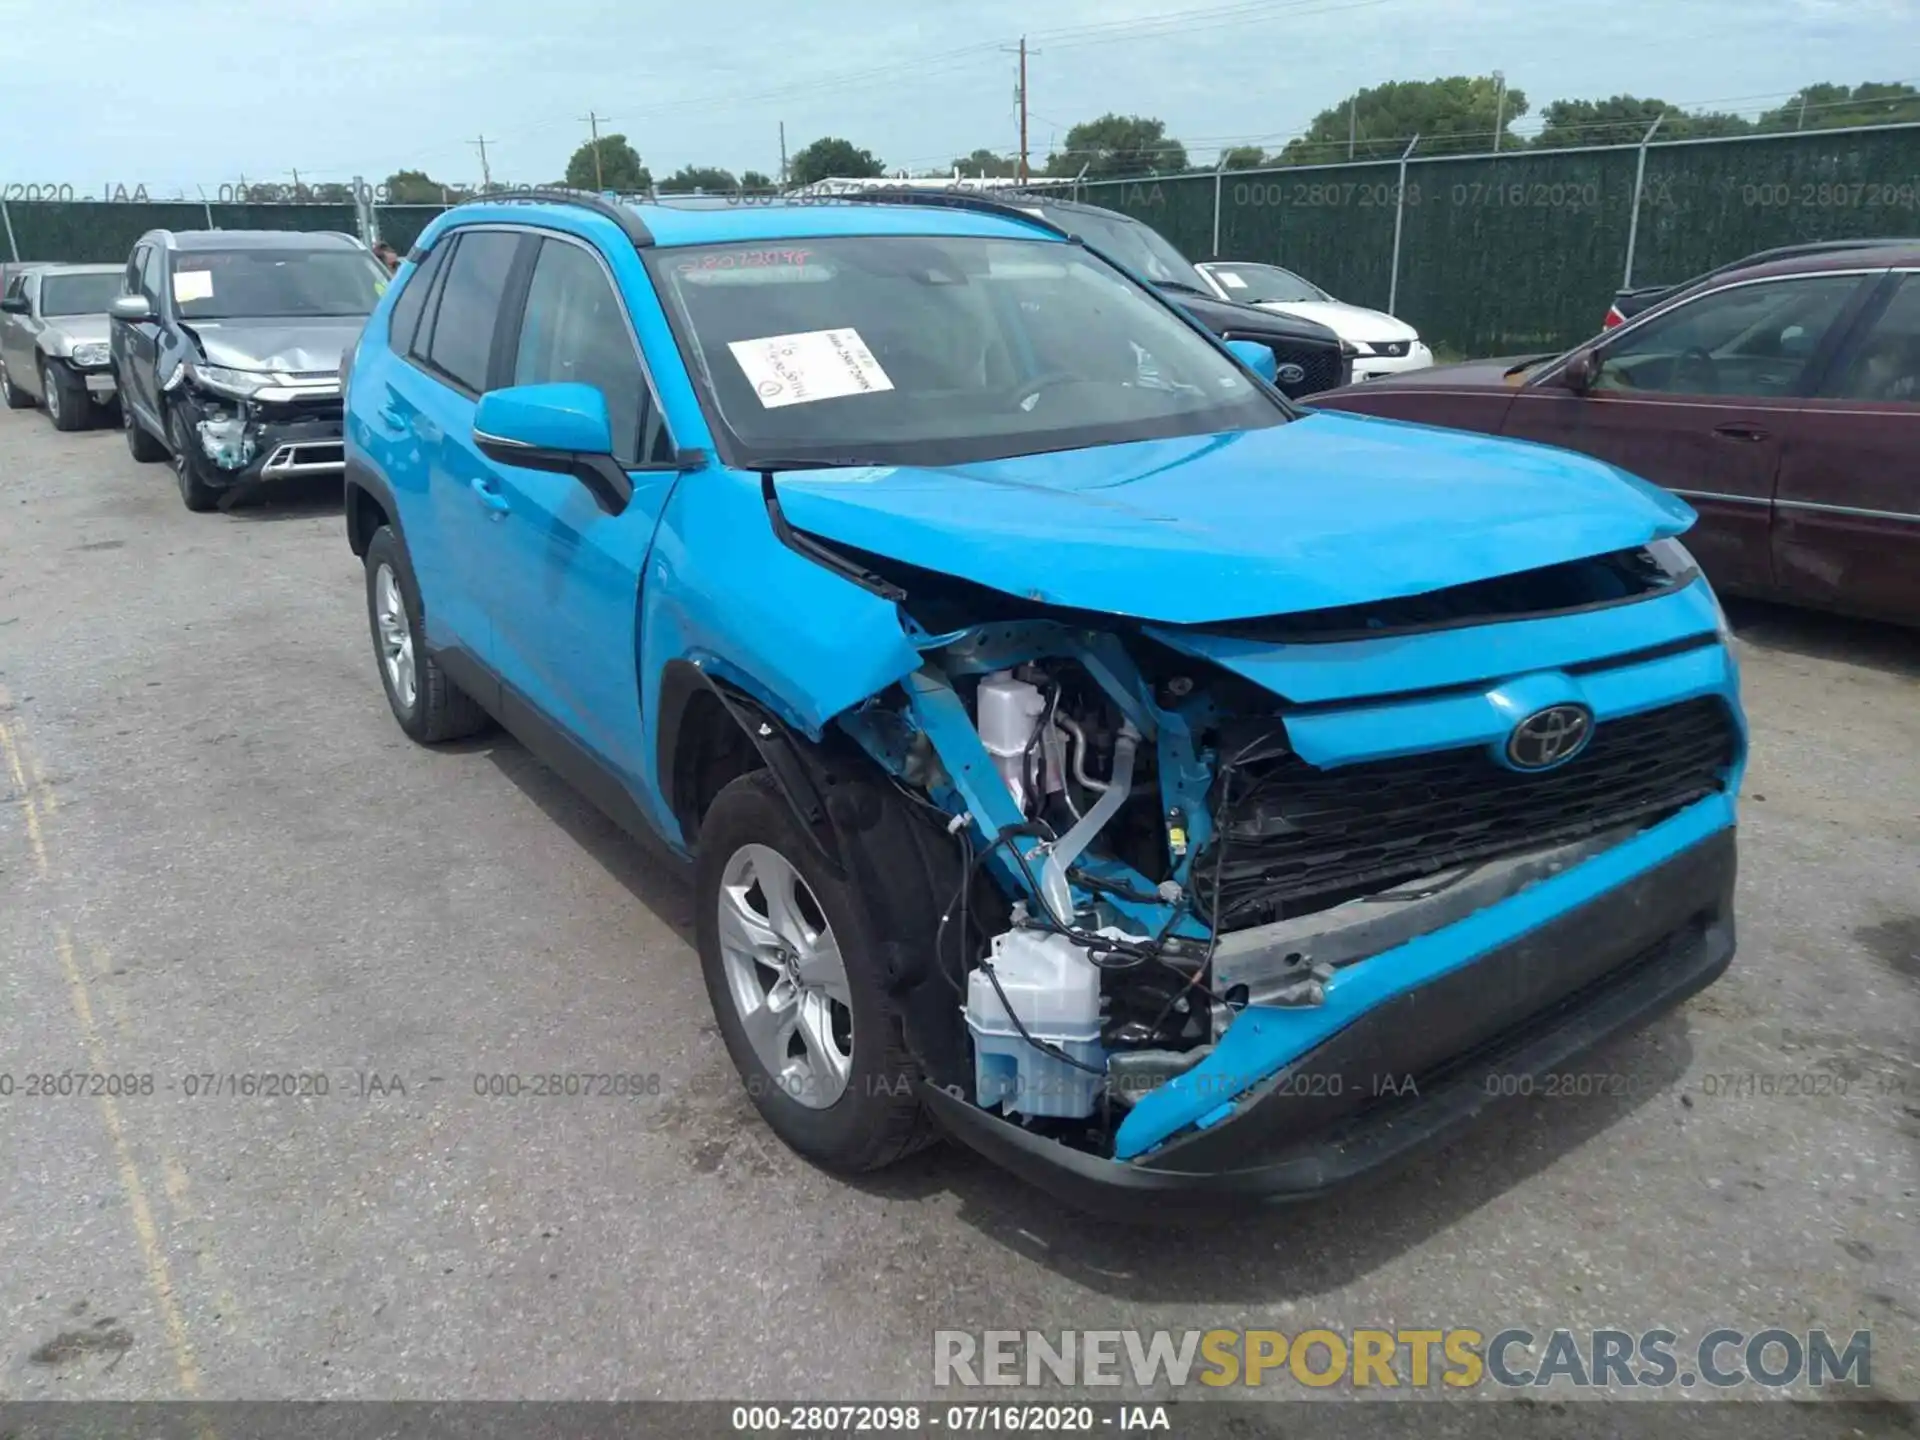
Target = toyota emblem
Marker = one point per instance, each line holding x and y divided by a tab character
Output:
1550	737
1290	374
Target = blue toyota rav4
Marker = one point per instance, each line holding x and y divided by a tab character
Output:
1181	797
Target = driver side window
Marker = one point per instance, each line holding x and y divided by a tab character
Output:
1747	340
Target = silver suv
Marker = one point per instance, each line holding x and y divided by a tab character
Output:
53	341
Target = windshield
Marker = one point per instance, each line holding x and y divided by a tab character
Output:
78	294
1139	247
1265	284
930	350
262	284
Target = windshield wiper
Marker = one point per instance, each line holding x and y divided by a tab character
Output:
812	462
1527	364
1184	288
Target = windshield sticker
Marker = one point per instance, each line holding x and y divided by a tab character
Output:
192	285
1230	280
808	366
743	260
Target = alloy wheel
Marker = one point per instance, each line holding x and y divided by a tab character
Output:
52	392
786	976
396	635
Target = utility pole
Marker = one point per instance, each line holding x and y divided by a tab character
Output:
296	186
1353	122
486	172
1499	109
599	180
783	157
1801	124
1020	99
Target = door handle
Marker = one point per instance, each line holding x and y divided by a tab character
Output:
1740	432
490	496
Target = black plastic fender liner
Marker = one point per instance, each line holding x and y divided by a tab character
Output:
905	869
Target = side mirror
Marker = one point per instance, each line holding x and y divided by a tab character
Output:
1256	357
14	305
1581	370
131	308
560	428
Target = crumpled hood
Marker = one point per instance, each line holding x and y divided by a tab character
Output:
290	347
63	332
1333	509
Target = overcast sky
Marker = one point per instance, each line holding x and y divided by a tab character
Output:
186	93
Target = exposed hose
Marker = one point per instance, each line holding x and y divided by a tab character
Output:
1055	890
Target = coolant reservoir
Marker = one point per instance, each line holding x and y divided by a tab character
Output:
1008	711
1054	989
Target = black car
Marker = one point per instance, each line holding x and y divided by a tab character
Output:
1308	356
226	349
1638	298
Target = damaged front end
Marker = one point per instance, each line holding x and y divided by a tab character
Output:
1244	912
256	427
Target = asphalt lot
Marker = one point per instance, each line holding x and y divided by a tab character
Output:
218	854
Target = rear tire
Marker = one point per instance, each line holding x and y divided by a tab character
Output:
142	444
868	1115
195	492
68	405
425	702
16	398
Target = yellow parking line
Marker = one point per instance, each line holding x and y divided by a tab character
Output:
29	805
159	1276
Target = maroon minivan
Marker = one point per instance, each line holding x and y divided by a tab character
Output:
1782	400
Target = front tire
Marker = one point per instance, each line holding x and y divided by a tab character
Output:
798	986
425	702
195	493
141	442
66	398
15	397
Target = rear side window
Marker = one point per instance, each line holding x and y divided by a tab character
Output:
413	300
462	340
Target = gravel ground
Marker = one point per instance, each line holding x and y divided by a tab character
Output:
218	854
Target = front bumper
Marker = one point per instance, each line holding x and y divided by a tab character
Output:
1517	1010
274	451
1372	367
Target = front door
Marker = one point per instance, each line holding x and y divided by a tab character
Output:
136	348
1846	532
1697	399
566	574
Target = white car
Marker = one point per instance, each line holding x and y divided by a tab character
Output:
1382	345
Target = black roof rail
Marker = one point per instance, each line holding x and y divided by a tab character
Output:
1815	247
955	199
622	215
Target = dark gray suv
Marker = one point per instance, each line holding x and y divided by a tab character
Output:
226	348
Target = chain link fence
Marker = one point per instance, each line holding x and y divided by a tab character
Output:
1491	254
1485	254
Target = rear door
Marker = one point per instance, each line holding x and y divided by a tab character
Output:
1846	531
432	401
565	574
15	341
1697	399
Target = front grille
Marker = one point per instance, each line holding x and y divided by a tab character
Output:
1299	839
312	407
1325	368
1393	349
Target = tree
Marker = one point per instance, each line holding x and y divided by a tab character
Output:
1244	157
1117	146
619	167
1821	107
689	178
414	187
754	180
830	158
1623	120
985	163
1455	115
